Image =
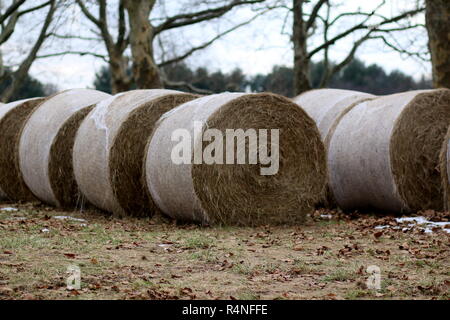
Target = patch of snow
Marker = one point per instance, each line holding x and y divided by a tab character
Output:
418	220
8	209
17	219
69	218
422	222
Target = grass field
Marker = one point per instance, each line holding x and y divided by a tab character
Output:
155	259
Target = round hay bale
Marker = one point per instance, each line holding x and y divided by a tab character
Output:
13	117
327	106
444	166
384	153
110	148
226	194
45	149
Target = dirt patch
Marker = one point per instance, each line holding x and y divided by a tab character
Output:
156	259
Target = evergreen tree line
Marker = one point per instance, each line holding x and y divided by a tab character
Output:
30	88
356	76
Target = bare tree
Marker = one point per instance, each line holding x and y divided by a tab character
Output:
438	26
145	71
115	45
8	21
118	62
216	10
371	25
140	34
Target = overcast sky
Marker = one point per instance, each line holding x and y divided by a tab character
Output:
255	48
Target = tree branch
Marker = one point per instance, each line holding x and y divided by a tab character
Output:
66	37
362	26
88	14
80	53
208	43
314	14
368	15
11	10
8	30
21	13
122	40
21	73
337	68
182	84
183	20
396	48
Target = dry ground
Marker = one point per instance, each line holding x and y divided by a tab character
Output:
155	259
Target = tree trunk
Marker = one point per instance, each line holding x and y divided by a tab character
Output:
301	60
146	72
2	67
22	72
438	26
120	79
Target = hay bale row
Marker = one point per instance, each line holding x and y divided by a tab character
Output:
238	194
13	117
384	153
110	147
46	143
69	140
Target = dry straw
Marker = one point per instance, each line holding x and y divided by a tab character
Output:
110	148
385	152
13	117
238	194
444	165
45	149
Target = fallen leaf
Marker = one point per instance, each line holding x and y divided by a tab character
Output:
115	288
74	293
6	290
186	291
378	234
360	270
